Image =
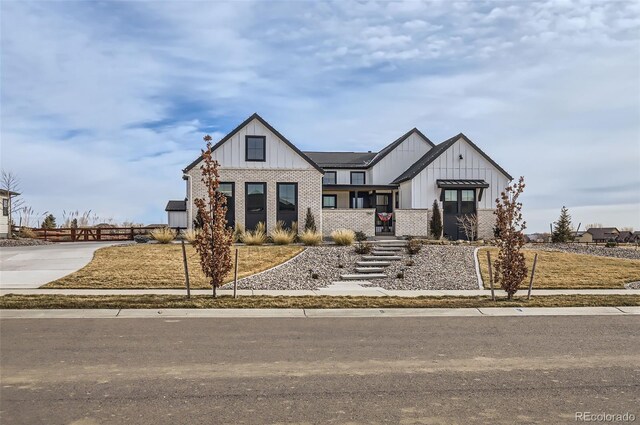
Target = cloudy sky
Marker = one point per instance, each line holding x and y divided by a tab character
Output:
103	103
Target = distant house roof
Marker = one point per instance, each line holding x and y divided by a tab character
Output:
8	192
624	236
434	153
603	233
176	206
266	124
342	159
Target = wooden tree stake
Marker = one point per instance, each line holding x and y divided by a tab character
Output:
493	294
186	269
235	278
533	272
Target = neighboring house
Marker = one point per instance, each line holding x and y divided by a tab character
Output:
624	236
267	179
177	214
635	237
600	234
4	218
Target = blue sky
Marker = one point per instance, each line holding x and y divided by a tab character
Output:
103	103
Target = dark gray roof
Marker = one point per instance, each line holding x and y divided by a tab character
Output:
624	235
461	183
603	233
391	146
342	159
434	153
266	124
5	192
176	206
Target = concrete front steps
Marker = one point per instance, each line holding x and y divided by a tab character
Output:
388	248
373	263
370	269
384	257
383	253
363	276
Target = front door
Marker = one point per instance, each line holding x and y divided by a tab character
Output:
287	207
457	202
255	205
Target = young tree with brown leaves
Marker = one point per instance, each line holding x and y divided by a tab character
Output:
213	242
510	268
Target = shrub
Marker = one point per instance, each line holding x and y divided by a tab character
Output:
343	236
363	248
49	222
410	263
310	238
400	275
360	236
238	232
26	232
255	237
163	234
611	244
282	236
413	246
190	235
141	238
435	225
310	221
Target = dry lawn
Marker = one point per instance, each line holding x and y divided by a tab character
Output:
561	270
160	266
201	301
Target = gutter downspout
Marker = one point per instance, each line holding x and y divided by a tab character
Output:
187	177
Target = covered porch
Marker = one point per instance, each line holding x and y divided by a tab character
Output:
376	203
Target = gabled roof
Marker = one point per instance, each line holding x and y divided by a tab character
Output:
387	149
434	153
342	159
176	206
602	233
266	124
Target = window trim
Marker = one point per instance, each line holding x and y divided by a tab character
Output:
335	177
335	202
295	185
364	176
246	148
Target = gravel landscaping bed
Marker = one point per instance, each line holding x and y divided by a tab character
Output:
435	267
632	285
602	251
24	242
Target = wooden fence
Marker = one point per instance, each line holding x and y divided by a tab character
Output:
89	234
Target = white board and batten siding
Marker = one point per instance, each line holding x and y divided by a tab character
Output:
395	162
278	154
177	219
449	166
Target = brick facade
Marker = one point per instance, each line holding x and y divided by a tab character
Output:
360	219
412	222
309	191
486	223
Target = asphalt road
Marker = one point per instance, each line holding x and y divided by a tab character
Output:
493	370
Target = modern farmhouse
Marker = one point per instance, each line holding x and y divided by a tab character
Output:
391	192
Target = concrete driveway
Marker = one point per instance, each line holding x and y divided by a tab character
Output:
32	266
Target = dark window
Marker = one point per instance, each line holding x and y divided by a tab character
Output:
358	177
5	207
329	177
467	201
255	197
329	201
255	148
227	190
397	199
287	197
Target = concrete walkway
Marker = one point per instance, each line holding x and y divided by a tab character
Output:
314	313
370	292
32	266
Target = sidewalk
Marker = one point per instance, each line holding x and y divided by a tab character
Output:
369	292
317	313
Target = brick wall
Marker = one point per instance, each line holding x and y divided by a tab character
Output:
309	191
359	219
486	223
412	222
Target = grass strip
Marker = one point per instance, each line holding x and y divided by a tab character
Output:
14	301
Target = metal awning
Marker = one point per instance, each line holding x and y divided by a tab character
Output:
462	184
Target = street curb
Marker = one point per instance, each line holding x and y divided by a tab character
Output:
317	313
